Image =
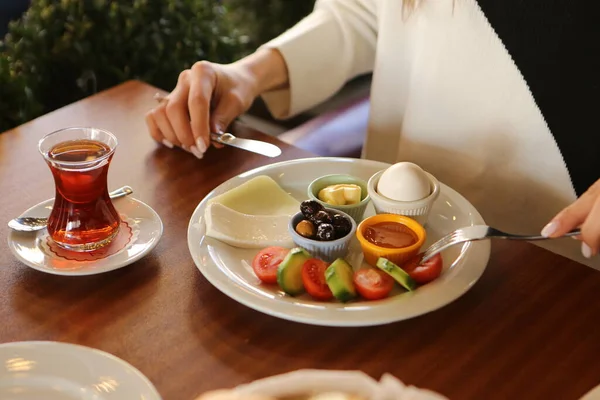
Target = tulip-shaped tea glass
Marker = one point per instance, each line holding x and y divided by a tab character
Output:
83	217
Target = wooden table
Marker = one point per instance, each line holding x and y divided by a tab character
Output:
529	329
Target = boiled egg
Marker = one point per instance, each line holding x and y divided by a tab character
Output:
404	181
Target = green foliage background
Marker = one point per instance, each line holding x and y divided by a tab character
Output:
63	50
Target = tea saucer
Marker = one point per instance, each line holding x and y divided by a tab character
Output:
141	229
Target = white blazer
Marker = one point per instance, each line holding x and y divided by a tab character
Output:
445	95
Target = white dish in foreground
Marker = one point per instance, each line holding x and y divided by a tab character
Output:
229	268
141	234
314	381
61	371
593	394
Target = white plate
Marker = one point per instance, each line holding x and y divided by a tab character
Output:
228	268
61	371
593	394
32	248
313	381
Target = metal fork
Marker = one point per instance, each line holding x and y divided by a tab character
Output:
479	232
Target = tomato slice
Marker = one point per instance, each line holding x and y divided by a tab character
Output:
313	278
373	284
424	272
267	260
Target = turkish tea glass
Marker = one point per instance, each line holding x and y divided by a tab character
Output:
83	217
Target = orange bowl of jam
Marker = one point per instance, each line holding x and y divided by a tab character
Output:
395	237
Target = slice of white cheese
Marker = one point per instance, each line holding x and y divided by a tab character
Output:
259	196
253	215
245	230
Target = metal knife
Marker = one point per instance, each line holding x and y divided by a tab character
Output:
255	146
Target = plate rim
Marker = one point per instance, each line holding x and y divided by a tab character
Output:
86	272
128	367
229	290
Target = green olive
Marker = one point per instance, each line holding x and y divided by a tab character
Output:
305	228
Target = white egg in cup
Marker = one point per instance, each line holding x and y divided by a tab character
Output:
416	209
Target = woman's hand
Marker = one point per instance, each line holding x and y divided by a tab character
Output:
208	97
584	213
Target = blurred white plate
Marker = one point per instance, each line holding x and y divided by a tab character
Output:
313	381
61	371
593	394
229	268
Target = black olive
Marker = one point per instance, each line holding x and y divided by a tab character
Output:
309	208
342	225
322	217
326	232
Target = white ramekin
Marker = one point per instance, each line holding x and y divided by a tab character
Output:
418	210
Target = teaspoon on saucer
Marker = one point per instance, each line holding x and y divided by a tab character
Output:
31	224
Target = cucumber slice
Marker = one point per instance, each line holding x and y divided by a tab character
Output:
339	279
289	272
397	273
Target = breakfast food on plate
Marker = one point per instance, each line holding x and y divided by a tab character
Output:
266	263
323	232
395	237
258	196
424	272
320	224
289	272
304	252
296	271
373	284
404	189
339	279
253	215
341	194
397	273
233	395
246	230
314	280
404	181
307	267
390	234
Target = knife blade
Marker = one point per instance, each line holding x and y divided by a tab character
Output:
255	146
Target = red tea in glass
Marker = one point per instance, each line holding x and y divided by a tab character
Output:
83	217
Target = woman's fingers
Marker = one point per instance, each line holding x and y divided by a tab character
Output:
590	230
207	98
177	112
152	117
159	115
569	218
154	131
203	80
584	213
572	216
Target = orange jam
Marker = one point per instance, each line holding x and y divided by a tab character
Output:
391	235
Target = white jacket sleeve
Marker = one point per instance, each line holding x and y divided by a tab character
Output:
332	45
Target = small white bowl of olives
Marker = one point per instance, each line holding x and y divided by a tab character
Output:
324	232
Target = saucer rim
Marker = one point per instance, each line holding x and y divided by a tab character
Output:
87	271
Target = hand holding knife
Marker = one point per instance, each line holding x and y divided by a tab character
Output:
255	146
